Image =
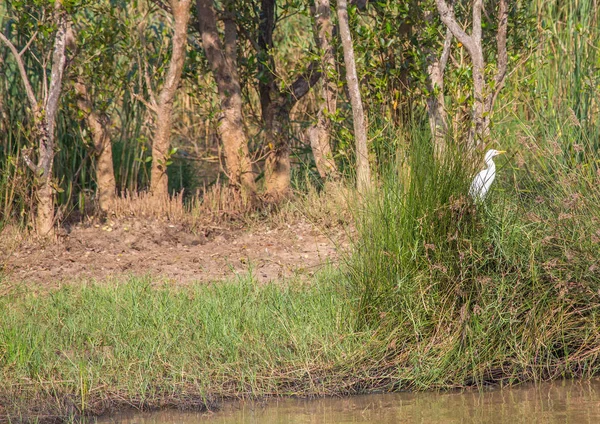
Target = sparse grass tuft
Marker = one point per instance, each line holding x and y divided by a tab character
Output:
144	205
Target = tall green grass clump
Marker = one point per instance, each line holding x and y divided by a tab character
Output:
459	293
407	225
508	290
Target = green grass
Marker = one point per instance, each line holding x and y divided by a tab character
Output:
139	344
506	291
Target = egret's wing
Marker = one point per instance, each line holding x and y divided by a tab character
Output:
481	184
477	184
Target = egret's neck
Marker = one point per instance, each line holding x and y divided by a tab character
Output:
490	164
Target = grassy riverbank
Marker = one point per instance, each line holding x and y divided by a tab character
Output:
83	349
499	292
496	294
436	292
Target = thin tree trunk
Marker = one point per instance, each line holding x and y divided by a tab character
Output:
363	172
481	129
44	117
436	109
3	117
223	63
319	134
45	208
46	120
98	124
276	107
483	103
164	108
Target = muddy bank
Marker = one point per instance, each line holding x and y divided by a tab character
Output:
172	252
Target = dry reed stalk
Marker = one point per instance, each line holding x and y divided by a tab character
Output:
218	201
144	204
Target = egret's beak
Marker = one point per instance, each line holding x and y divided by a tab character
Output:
501	151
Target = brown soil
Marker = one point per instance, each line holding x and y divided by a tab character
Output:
170	252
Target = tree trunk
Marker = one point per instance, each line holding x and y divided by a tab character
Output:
44	117
483	102
319	134
276	107
277	165
98	125
45	208
436	109
44	216
164	109
363	172
3	115
223	64
481	130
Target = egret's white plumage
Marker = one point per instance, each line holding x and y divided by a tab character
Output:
482	182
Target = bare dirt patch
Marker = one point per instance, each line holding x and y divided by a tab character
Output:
171	252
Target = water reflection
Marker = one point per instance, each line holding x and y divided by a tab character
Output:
558	402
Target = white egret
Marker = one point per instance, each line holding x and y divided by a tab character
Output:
482	182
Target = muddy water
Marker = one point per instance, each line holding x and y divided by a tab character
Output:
559	402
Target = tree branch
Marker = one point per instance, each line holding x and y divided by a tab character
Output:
446	50
307	80
448	18
502	52
164	6
149	106
24	49
34	168
246	34
28	89
476	32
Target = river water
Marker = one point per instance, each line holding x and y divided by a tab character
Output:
558	402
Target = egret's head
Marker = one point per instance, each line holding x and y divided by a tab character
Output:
492	153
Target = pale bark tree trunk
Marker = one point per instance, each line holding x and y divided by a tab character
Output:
363	171
44	118
484	99
319	134
3	117
164	107
223	63
436	109
98	125
276	106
